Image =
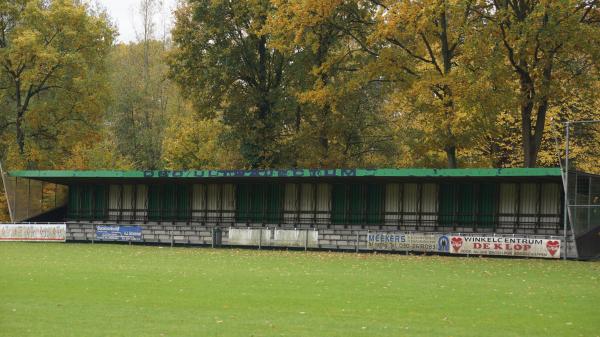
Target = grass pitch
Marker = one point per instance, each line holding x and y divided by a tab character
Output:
118	290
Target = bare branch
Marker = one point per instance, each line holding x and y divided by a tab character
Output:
431	55
411	53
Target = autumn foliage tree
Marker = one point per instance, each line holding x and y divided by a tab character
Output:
338	114
551	51
52	78
288	83
420	48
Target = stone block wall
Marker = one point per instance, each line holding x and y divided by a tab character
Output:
334	237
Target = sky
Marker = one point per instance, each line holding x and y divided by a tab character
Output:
124	14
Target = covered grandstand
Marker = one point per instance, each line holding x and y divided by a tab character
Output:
341	206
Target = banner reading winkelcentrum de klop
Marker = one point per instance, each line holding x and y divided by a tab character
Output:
504	245
464	244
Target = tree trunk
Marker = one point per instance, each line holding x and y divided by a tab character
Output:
531	147
298	120
451	156
447	55
536	138
527	90
531	155
20	109
325	127
324	141
264	106
20	133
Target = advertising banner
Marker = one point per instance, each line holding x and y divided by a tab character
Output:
403	241
273	237
295	238
118	233
465	244
503	245
249	237
33	232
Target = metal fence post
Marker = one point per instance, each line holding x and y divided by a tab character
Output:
259	238
306	241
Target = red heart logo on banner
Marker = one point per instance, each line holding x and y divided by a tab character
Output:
553	247
456	242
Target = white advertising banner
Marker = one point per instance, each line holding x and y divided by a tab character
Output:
403	241
295	238
249	237
503	245
33	232
270	237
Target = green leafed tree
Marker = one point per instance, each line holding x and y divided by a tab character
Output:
53	87
224	63
143	98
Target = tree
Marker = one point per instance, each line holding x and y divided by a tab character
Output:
52	72
224	64
406	55
338	119
142	98
101	154
191	143
551	49
420	48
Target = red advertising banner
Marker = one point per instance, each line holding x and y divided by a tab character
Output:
504	245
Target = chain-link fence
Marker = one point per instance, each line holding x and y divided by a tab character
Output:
582	152
584	201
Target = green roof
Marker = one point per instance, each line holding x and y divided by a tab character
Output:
291	173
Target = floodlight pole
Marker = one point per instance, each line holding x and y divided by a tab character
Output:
10	213
566	206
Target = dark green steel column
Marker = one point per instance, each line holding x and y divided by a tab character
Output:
465	204
274	202
183	202
169	202
73	205
99	202
357	203
242	202
85	211
153	202
446	204
338	203
375	203
487	204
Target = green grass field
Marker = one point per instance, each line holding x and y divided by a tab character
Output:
119	290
